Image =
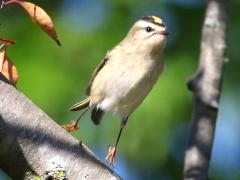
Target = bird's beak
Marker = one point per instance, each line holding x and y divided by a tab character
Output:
165	32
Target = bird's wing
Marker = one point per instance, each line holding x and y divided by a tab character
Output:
98	68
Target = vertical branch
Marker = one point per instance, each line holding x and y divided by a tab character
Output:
206	86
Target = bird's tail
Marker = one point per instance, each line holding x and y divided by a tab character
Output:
81	105
96	114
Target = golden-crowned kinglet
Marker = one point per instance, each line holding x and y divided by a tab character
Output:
127	74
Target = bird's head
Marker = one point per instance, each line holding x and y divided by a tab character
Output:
149	33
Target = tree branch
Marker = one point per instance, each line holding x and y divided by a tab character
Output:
33	145
206	85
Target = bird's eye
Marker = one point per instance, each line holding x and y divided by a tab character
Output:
149	29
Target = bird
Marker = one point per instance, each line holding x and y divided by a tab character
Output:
125	76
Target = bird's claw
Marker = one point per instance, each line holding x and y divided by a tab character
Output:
71	127
111	155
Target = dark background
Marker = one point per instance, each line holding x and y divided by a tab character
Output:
153	143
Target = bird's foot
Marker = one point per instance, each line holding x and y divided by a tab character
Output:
111	155
71	127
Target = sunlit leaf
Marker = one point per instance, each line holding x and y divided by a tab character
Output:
7	68
41	18
38	16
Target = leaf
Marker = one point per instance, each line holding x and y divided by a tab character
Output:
1	58
7	68
41	18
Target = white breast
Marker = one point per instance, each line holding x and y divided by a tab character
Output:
122	87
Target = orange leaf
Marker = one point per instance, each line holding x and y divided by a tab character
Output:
1	57
7	68
41	18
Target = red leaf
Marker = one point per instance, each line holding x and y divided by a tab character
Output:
38	16
7	68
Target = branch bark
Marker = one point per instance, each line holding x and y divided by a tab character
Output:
206	85
32	145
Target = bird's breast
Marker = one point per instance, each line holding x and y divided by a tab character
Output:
124	85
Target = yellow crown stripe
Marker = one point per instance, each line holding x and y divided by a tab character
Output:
156	19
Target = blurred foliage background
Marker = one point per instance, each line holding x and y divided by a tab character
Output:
153	143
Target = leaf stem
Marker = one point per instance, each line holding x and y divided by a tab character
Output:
11	1
7	41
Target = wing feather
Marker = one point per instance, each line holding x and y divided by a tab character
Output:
96	71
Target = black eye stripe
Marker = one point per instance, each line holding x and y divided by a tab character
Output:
149	29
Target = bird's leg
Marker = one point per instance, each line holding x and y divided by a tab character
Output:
112	150
74	124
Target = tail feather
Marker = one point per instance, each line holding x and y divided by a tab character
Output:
81	105
96	115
